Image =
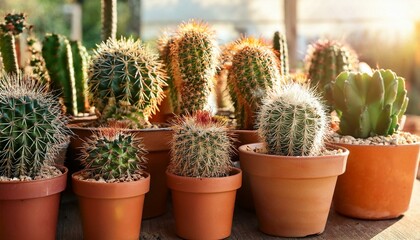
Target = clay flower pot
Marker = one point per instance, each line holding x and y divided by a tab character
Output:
292	195
378	181
29	209
203	207
111	210
156	142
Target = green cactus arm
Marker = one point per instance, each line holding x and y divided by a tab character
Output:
80	65
8	52
109	19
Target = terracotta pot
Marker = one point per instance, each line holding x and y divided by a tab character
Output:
29	209
292	195
378	182
157	143
111	210
412	125
203	207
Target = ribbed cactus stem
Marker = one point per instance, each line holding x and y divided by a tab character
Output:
37	63
280	47
80	66
109	19
293	122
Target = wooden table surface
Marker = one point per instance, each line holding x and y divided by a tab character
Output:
245	224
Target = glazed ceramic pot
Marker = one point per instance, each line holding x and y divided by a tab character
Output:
203	207
111	210
378	182
29	209
292	195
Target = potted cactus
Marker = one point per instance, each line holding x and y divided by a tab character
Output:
12	27
113	181
292	173
202	178
383	161
32	129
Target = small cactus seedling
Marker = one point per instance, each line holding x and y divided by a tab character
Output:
32	126
280	47
113	154
200	147
293	122
109	19
368	105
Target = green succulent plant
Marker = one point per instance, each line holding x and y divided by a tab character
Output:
37	62
201	147
32	126
368	105
80	66
293	122
109	19
280	47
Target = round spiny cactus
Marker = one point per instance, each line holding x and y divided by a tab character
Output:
32	126
113	154
125	71
293	122
200	147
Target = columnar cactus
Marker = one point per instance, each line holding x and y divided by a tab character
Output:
254	72
80	66
200	147
56	51
293	122
368	105
109	19
32	126
194	56
280	47
37	62
13	26
113	154
124	73
325	60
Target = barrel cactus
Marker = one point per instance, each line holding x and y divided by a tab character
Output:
124	73
368	105
325	60
293	122
112	154
109	19
32	126
201	147
280	48
253	73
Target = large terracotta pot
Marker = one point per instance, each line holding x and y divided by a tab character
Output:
157	143
412	125
111	210
203	207
29	209
378	182
292	195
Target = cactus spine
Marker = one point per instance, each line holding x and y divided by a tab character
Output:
368	105
200	147
254	73
113	154
80	66
109	19
280	47
293	122
31	126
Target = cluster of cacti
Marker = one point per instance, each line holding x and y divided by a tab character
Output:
325	60
126	74
253	73
280	47
293	122
32	126
368	105
201	147
37	62
113	154
13	26
193	54
109	19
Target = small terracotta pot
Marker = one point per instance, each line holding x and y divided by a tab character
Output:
157	143
378	182
111	210
292	195
203	207
29	209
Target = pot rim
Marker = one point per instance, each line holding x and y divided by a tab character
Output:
82	128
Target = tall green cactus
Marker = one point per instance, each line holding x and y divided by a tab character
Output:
254	73
80	66
58	57
280	47
113	154
368	105
293	122
125	73
194	60
325	60
201	147
109	19
37	63
31	126
13	26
